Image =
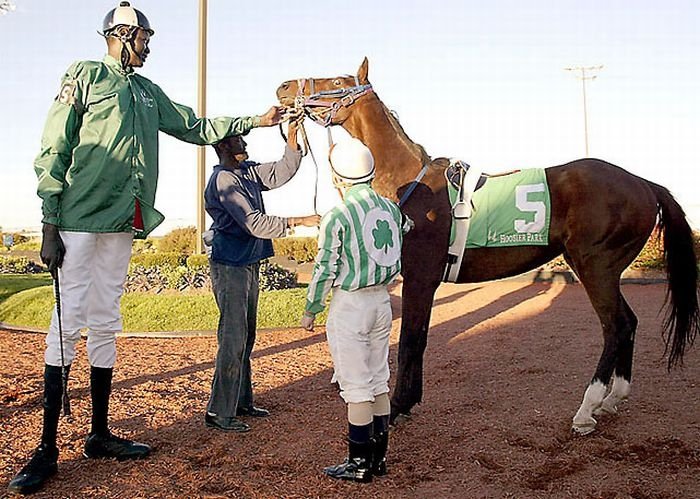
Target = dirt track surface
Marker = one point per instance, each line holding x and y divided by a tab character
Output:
505	370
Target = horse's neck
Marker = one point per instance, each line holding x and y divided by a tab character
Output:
397	159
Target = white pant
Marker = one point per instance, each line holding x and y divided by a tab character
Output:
92	282
358	328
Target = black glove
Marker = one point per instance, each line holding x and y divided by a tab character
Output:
52	248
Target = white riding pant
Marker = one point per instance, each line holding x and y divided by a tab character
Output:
358	328
91	280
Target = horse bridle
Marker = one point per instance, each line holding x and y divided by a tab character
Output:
323	106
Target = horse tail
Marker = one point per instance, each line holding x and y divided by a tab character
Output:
682	320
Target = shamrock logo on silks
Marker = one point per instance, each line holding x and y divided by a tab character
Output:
382	236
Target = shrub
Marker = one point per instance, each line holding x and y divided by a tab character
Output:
273	277
143	246
159	259
300	249
10	264
652	255
197	261
31	244
17	238
158	278
178	241
140	278
13	264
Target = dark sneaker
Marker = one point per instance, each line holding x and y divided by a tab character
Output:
256	412
41	467
356	470
225	424
110	446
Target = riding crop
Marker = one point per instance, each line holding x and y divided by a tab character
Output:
64	371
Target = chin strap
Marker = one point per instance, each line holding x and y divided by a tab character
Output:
126	38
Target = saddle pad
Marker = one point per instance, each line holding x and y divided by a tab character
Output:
509	210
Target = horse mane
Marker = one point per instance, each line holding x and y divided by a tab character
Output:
416	149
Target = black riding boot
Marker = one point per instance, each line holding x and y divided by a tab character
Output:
381	443
101	443
357	466
43	464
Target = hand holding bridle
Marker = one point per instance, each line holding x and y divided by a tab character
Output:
272	117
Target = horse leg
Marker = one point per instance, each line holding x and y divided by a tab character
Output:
622	376
604	293
417	299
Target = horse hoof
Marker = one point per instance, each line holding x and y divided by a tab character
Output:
400	418
604	410
584	427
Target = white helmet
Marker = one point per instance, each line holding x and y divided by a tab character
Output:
125	15
352	162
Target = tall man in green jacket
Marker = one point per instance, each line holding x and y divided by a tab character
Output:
98	170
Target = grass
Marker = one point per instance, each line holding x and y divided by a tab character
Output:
27	300
14	283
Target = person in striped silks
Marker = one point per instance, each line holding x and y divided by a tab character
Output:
359	255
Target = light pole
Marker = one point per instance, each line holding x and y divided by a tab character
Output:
583	79
202	111
6	6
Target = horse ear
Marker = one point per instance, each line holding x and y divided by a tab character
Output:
362	72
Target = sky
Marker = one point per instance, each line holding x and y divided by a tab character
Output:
480	81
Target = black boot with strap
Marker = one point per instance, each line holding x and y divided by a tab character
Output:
44	462
101	443
380	441
358	465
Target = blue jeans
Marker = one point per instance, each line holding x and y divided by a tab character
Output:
236	291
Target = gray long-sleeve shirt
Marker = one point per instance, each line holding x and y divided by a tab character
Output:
233	198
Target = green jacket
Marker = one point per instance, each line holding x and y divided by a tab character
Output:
99	149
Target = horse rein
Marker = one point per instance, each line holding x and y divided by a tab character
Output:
321	107
299	119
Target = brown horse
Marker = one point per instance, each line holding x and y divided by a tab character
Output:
601	217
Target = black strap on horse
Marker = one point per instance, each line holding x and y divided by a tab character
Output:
413	185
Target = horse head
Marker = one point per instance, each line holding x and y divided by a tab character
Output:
326	100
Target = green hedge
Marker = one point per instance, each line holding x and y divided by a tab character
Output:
11	264
157	272
33	244
197	261
180	240
172	259
300	249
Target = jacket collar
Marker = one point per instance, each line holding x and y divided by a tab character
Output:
242	167
357	188
116	65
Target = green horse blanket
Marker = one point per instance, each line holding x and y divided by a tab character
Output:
509	210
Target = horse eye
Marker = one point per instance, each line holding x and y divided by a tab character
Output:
337	82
